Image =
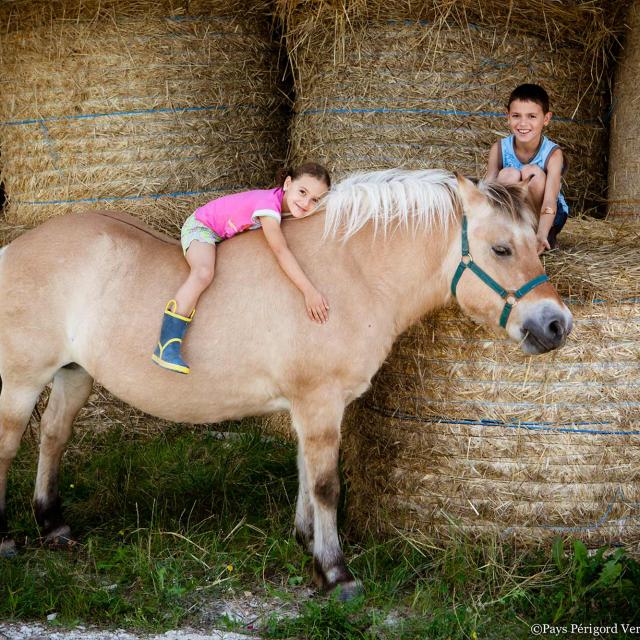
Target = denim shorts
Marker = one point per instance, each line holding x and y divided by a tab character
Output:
193	229
559	221
561	217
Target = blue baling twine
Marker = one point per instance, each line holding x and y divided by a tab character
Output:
439	112
524	425
155	196
115	114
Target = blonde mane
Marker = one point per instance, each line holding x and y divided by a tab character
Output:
391	199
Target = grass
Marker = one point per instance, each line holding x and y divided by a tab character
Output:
172	523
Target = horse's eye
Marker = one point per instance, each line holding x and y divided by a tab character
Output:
501	250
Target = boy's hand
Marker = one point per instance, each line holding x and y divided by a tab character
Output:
317	306
542	244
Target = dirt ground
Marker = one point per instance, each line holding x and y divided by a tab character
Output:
247	610
42	632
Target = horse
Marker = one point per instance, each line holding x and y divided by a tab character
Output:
83	294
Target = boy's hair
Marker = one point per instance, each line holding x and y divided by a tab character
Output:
306	169
530	93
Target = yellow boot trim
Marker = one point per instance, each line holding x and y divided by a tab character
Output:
169	365
170	310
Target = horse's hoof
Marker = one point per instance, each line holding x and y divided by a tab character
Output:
61	543
60	538
345	591
8	549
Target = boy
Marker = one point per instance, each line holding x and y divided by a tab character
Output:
528	155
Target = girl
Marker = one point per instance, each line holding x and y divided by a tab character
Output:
298	194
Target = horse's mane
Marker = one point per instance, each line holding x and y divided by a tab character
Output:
510	200
390	199
404	198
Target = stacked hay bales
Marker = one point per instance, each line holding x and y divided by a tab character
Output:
624	161
150	107
459	427
425	84
462	430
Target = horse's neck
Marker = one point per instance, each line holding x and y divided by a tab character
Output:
407	274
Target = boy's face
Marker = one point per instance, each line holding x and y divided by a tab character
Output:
526	121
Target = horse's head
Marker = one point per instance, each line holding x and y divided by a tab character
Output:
500	280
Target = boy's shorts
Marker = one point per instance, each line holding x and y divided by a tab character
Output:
562	216
193	229
558	222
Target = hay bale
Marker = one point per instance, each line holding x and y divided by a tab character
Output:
624	161
461	428
152	107
143	106
425	84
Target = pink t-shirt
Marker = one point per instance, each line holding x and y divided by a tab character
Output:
238	212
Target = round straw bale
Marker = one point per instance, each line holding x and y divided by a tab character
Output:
460	428
624	160
426	84
141	106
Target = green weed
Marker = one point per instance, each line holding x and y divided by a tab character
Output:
595	585
172	522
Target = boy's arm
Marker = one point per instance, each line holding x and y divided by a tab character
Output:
316	304
493	164
551	191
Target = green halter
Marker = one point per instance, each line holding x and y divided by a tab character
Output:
510	297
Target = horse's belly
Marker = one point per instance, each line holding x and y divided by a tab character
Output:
189	398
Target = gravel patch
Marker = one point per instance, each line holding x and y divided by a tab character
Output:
40	632
246	610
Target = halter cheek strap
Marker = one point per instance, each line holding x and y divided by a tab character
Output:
510	297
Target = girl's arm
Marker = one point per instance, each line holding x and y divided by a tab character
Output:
493	164
316	304
550	198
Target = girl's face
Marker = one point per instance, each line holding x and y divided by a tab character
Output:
302	195
526	121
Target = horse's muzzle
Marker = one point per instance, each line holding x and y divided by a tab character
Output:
546	332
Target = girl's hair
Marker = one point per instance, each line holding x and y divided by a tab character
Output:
307	169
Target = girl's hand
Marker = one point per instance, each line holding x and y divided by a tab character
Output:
317	306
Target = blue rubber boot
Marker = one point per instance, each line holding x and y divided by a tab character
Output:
167	353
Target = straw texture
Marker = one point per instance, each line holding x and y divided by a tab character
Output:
143	106
425	84
462	428
624	162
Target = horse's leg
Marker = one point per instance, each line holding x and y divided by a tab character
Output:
16	405
317	419
71	388
303	527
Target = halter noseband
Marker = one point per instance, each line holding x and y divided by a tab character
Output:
510	297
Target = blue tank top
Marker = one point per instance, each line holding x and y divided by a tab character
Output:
510	159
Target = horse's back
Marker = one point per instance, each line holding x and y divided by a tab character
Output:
90	288
78	262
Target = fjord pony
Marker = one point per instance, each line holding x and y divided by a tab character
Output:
83	295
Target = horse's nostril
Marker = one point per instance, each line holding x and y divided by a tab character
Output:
556	329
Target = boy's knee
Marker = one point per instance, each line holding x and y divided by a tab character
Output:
509	175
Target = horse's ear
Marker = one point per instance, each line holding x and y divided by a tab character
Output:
524	186
470	194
